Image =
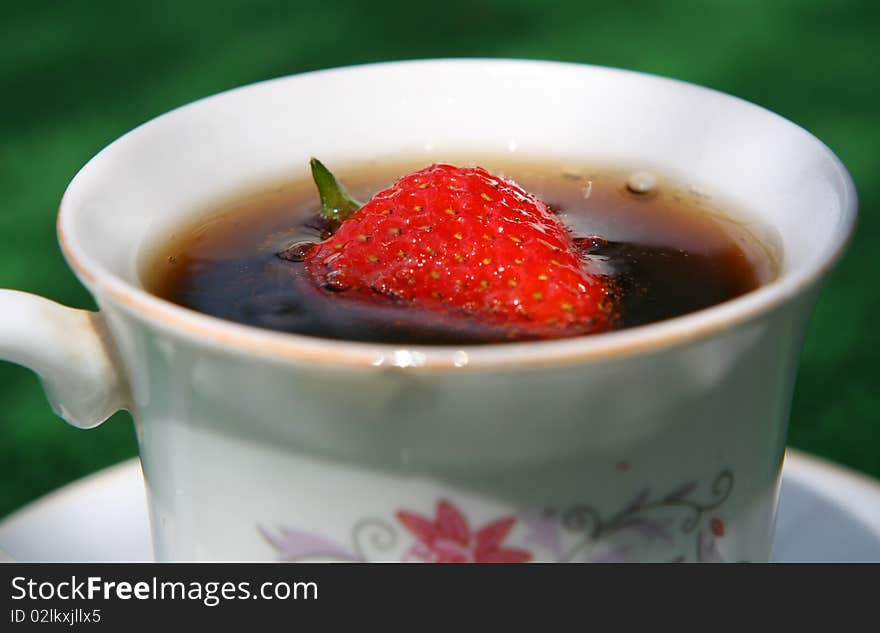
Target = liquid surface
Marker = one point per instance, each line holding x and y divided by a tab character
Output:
669	251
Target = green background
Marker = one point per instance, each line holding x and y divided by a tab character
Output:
75	75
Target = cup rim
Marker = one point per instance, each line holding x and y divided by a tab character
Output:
289	347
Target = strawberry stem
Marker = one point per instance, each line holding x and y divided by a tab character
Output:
336	203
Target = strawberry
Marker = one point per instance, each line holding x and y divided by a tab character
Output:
460	243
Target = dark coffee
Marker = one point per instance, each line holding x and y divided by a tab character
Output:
668	250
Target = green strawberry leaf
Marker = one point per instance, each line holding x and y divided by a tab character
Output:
336	203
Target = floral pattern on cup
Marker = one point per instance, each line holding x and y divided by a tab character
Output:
572	534
448	538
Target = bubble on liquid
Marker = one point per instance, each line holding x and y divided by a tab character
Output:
296	252
590	243
594	254
642	182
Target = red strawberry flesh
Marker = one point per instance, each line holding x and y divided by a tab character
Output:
458	241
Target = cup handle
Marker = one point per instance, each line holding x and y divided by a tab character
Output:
70	351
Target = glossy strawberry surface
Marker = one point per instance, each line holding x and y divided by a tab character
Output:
462	243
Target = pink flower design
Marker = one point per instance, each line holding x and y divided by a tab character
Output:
449	539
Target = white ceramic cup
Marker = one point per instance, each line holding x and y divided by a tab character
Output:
661	442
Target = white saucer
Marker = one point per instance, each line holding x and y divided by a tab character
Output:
826	514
